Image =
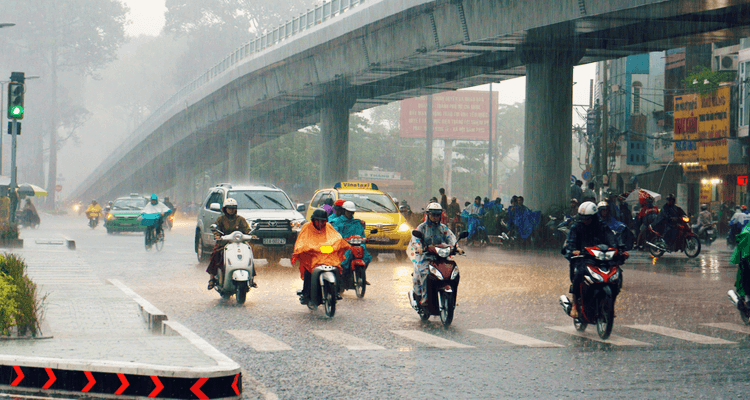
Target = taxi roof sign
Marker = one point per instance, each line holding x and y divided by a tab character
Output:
356	185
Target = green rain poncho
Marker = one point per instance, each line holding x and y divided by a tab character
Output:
740	256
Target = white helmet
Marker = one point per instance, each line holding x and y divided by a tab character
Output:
587	208
434	208
602	204
349	206
230	202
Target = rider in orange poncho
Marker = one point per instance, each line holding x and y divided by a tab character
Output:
312	237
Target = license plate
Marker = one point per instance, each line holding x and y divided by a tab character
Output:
274	241
379	239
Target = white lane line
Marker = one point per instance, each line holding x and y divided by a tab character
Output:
515	338
347	340
678	334
730	327
592	335
259	341
432	341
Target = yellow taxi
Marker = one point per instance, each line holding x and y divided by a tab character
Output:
376	209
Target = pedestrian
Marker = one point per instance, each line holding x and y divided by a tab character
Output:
589	194
454	210
576	192
443	199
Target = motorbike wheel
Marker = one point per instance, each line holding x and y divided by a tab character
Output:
655	251
241	292
159	243
579	325
200	250
447	305
329	299
605	319
360	284
424	314
692	246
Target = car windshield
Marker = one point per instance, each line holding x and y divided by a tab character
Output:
367	202
260	200
129	204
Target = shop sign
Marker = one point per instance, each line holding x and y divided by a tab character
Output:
742	180
706	192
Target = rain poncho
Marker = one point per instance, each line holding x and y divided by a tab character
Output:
525	220
350	227
740	256
307	248
433	234
152	213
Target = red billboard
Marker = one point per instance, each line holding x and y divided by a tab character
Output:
460	115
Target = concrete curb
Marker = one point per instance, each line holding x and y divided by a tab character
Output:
152	315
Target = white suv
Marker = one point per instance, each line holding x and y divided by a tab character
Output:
267	209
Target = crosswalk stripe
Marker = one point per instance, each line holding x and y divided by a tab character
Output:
730	327
347	340
432	341
613	339
259	341
679	334
515	338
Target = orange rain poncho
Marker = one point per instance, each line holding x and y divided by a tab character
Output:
307	248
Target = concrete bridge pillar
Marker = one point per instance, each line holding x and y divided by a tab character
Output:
239	159
334	149
548	139
185	184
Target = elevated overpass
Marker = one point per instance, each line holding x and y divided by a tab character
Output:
349	55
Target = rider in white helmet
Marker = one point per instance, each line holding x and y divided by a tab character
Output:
587	231
433	232
229	222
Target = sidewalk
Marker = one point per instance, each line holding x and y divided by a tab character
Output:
100	339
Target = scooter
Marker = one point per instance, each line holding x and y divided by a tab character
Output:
442	282
355	276
239	267
599	289
708	235
743	305
93	219
170	220
684	240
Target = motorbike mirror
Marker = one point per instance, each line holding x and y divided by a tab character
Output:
215	229
417	234
463	235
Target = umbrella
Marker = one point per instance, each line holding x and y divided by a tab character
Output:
31	190
640	195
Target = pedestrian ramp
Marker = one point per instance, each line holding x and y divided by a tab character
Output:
628	336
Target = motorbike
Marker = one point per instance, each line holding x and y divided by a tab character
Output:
442	282
560	230
93	219
323	287
734	230
741	304
153	238
684	240
170	221
599	289
236	278
709	235
355	277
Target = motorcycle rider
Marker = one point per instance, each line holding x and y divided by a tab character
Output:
348	226
337	210
433	233
704	221
622	233
668	217
156	207
227	223
587	231
741	256
646	216
314	235
93	210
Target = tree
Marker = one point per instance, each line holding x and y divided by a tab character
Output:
80	36
702	80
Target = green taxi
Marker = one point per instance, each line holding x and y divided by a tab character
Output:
124	214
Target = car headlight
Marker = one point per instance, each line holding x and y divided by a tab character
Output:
110	217
404	227
435	272
297	224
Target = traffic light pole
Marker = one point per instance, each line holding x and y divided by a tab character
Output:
13	175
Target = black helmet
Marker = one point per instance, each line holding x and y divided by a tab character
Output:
670	197
319	214
704	207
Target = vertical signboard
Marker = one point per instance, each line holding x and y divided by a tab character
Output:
706	192
713	124
685	128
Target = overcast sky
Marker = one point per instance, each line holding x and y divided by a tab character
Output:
147	17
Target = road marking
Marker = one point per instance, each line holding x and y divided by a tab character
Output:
432	341
259	341
591	335
678	334
730	327
346	340
515	338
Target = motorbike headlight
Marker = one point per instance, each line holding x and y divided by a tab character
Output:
594	275
356	241
297	224
110	217
444	252
609	255
686	219
435	272
404	227
454	275
616	276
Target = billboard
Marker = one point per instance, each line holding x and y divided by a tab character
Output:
704	117
462	115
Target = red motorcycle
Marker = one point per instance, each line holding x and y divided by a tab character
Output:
599	289
684	239
355	277
442	281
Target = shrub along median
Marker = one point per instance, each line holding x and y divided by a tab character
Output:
21	306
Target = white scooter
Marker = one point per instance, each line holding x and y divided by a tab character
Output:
239	267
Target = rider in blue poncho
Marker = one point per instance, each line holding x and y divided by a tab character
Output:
523	220
348	226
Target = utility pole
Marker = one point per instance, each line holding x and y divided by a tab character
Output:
490	183
428	155
605	125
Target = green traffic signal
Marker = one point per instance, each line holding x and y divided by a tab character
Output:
15	100
16	112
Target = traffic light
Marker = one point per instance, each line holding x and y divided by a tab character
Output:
15	100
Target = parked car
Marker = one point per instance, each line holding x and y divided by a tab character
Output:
269	211
123	217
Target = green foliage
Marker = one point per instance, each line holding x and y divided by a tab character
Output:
20	303
8	306
706	81
8	231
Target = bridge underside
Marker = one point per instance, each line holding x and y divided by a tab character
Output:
426	48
